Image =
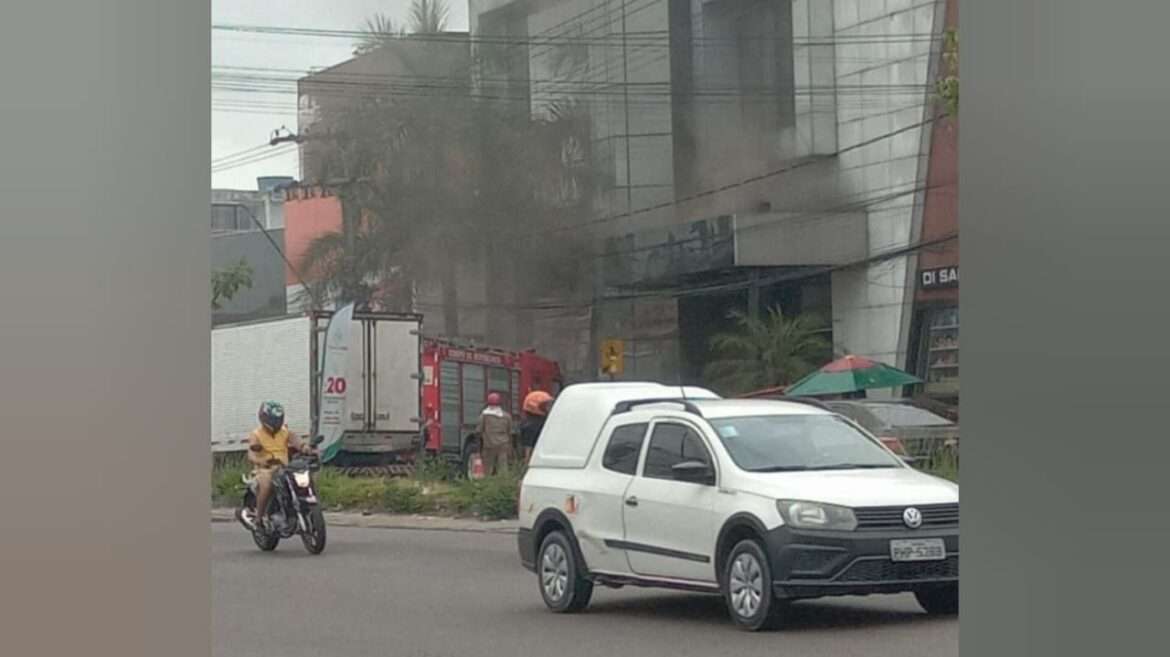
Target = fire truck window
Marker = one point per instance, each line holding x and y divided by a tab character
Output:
498	382
474	392
449	400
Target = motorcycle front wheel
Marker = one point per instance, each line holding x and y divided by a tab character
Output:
314	538
266	542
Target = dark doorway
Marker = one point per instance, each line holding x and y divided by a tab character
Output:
702	317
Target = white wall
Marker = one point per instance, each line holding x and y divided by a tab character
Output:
882	64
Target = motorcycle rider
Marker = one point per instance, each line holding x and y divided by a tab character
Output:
269	446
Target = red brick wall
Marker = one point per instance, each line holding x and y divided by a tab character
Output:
941	210
305	218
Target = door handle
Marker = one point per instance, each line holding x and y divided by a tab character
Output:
631	501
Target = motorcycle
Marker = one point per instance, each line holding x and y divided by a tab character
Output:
293	507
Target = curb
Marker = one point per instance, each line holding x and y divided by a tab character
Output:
376	521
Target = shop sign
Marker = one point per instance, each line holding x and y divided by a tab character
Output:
939	277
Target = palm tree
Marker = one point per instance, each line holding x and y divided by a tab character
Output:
443	179
379	30
764	352
425	17
428	16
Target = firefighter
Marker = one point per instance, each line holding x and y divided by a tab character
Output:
495	434
536	406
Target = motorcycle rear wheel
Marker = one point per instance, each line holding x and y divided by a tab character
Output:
314	539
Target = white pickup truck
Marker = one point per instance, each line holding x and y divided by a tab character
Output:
760	501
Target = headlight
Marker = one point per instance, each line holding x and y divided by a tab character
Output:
814	515
302	479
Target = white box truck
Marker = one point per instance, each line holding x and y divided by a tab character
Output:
280	359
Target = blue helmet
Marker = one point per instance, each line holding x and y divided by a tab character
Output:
272	416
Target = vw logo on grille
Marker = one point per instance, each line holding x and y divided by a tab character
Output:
912	517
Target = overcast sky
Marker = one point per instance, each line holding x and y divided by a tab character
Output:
241	120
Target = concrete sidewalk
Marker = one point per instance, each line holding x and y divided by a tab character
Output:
387	521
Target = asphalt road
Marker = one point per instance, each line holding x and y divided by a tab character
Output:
446	594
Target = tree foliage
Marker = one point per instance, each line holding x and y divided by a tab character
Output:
378	31
424	17
227	282
762	352
947	86
442	178
428	16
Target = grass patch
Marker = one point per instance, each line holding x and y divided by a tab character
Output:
945	465
227	484
432	490
492	498
433	469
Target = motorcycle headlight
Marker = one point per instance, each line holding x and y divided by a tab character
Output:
814	515
301	479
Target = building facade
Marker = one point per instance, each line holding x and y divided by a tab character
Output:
240	209
934	338
235	237
751	153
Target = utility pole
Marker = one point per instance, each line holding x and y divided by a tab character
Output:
348	223
754	294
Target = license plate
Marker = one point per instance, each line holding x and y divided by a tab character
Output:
918	549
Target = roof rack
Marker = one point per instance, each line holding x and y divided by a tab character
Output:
629	404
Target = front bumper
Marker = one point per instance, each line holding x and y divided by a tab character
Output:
810	564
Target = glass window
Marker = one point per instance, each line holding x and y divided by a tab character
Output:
625	444
223	217
473	392
670	445
449	402
860	415
905	415
516	400
776	443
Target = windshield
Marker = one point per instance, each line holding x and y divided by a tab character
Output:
905	415
779	443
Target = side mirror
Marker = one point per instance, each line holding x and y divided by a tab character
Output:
695	472
908	460
317	440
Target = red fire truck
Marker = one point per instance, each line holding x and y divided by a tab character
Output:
456	381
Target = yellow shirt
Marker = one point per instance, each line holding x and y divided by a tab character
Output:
272	446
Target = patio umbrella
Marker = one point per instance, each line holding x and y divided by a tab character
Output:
850	374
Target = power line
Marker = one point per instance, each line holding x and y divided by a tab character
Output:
254	159
232	156
280	252
651	37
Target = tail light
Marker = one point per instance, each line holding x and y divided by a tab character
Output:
894	445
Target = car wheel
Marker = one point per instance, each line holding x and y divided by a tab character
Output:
941	601
559	575
747	588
